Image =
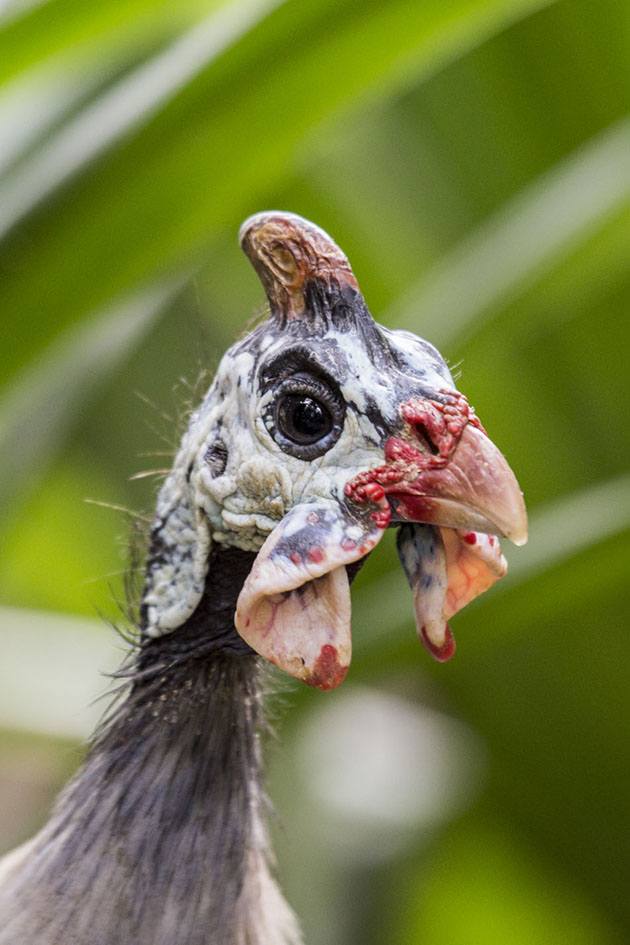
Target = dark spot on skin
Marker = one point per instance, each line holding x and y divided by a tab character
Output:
331	304
374	414
425	352
216	457
427	581
313	534
159	553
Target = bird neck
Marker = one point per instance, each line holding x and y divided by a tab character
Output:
161	837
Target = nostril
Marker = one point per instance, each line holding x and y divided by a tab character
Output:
425	438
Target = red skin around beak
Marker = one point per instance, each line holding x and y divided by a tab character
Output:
443	470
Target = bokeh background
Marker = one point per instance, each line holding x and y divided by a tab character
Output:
473	159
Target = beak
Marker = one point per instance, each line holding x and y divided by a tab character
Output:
445	481
474	490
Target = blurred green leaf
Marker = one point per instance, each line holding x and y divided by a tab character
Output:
52	28
524	238
488	887
132	100
41	408
60	553
152	203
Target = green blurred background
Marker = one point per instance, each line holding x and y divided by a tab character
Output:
473	159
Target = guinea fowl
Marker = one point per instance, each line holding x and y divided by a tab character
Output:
320	430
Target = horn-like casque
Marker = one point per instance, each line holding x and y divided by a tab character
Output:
289	254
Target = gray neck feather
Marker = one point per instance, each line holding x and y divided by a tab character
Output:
161	836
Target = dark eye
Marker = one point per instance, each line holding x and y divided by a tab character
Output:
303	419
306	415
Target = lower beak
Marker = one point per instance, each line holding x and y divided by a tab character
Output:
474	490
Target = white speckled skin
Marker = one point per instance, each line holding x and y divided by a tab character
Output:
260	482
236	481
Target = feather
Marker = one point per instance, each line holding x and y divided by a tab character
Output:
161	836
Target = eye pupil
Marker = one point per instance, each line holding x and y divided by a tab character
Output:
309	417
305	415
304	419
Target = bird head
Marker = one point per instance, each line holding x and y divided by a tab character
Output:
320	430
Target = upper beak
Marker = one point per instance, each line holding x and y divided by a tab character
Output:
475	490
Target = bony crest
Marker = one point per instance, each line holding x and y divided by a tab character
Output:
290	255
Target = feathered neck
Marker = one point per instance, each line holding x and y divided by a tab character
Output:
161	837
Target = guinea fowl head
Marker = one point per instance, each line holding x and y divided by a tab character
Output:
321	429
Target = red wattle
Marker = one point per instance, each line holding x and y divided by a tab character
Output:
440	653
328	673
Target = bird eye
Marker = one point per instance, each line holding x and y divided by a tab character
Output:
303	419
306	417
